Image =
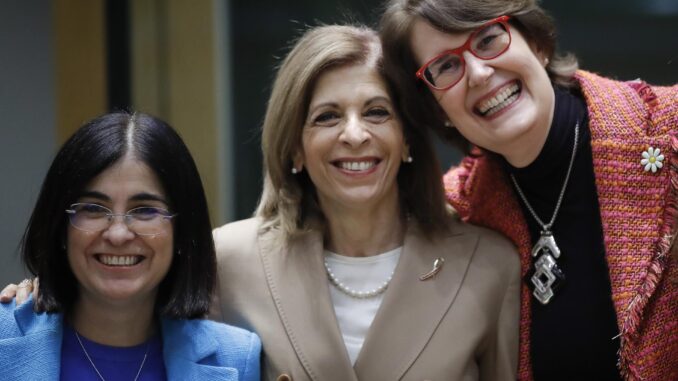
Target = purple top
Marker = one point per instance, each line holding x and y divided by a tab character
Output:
114	363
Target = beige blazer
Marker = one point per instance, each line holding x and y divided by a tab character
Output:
460	325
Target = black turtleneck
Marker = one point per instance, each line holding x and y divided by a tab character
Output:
572	336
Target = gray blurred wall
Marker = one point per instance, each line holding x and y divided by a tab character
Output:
27	120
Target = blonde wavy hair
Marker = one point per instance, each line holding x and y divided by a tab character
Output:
289	201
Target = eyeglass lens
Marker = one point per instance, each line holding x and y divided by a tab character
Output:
486	43
94	218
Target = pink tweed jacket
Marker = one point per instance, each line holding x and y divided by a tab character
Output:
638	211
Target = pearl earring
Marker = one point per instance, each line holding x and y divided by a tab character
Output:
447	123
409	159
294	171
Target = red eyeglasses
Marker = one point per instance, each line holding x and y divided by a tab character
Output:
488	41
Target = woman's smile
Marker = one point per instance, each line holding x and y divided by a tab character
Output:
357	166
352	143
499	99
119	260
503	104
117	263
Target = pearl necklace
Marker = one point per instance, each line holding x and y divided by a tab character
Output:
77	336
354	293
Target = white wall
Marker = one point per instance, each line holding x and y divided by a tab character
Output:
27	120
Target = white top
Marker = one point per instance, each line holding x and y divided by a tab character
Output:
355	315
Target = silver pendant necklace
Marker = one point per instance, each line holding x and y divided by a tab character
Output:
546	270
77	336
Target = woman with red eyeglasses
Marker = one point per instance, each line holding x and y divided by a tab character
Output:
578	170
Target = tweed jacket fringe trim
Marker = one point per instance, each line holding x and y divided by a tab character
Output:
639	214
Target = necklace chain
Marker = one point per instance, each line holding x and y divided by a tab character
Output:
353	293
547	275
547	227
77	336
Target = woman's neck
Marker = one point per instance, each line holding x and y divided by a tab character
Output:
527	150
365	232
550	165
524	151
121	326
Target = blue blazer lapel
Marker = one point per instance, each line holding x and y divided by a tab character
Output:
185	345
181	369
35	352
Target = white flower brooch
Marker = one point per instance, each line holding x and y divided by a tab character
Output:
652	159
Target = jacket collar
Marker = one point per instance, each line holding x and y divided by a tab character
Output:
183	354
31	323
412	308
298	282
39	346
296	277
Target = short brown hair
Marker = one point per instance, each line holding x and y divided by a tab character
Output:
459	16
289	202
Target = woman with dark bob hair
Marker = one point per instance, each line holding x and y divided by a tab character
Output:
579	171
353	268
121	241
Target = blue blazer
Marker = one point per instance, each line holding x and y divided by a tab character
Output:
30	348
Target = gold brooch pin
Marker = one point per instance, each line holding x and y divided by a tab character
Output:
437	265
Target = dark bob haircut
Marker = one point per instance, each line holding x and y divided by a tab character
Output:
186	290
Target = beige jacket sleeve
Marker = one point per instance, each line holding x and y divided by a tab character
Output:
501	357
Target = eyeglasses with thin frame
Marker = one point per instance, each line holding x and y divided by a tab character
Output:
144	220
488	41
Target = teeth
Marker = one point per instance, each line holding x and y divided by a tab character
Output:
357	165
502	99
119	260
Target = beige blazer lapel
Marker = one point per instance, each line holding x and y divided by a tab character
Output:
297	281
412	309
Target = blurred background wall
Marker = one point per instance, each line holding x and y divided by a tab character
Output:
206	67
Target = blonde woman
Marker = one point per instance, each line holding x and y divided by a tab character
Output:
352	268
